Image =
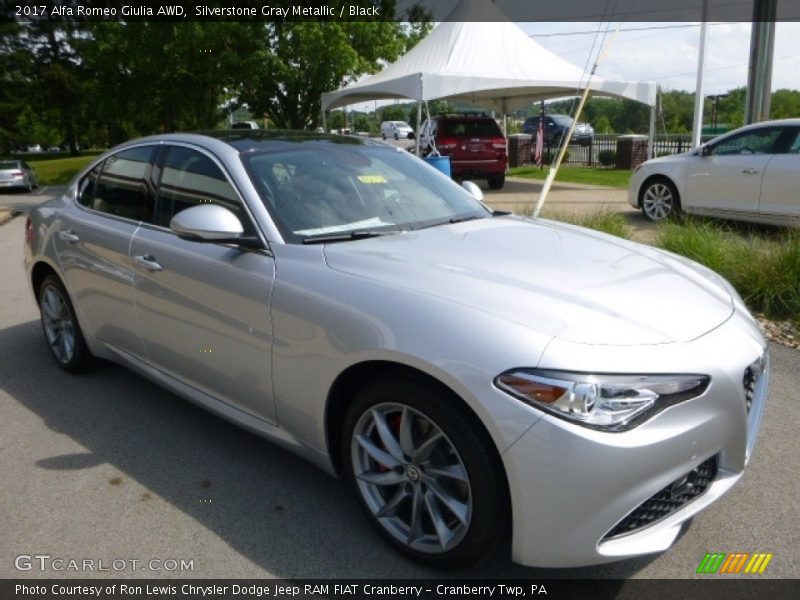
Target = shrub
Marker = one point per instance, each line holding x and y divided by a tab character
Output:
607	158
762	264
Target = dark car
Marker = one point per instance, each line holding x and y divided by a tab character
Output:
556	127
474	143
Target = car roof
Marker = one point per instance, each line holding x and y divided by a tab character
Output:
255	140
772	123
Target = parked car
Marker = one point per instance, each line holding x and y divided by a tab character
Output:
397	130
245	125
17	174
556	127
474	143
468	372
748	174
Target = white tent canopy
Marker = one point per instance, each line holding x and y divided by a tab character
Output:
491	64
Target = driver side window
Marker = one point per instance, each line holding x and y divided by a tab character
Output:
760	141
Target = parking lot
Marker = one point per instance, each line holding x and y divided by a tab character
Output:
108	466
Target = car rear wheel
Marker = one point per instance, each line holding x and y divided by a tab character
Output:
424	473
659	199
496	182
60	326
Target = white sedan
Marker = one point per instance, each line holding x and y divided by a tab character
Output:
748	174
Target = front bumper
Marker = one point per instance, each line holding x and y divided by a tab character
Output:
571	486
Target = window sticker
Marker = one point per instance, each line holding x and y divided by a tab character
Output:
372	179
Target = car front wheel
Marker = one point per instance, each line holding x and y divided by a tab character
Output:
659	199
424	472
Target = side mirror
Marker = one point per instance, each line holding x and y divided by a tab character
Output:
706	151
207	223
474	190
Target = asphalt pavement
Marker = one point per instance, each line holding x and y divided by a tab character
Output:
109	467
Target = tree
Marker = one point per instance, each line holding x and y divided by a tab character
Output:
185	70
394	113
293	63
50	77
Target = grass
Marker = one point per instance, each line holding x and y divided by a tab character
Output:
58	170
762	264
617	178
605	221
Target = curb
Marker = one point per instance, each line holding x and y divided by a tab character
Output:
6	215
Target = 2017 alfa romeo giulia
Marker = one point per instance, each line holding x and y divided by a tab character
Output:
471	373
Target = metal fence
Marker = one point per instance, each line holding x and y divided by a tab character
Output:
589	155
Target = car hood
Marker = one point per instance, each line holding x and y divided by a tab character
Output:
560	280
671	158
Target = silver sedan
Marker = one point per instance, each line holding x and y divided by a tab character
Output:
470	373
17	174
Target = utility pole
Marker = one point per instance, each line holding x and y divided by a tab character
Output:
697	125
759	72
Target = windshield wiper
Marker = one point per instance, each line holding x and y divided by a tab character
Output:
468	218
344	236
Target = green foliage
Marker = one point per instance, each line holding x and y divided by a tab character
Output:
394	113
605	221
762	264
618	178
602	124
103	82
607	158
58	171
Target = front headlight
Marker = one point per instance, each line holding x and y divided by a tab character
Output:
606	402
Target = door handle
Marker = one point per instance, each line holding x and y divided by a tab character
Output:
750	171
148	261
68	236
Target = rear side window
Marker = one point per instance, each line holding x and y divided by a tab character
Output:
121	188
471	128
190	178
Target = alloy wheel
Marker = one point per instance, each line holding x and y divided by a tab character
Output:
411	478
658	201
59	327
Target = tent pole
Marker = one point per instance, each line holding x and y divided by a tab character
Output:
651	136
419	125
551	174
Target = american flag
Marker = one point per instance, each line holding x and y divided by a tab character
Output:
538	158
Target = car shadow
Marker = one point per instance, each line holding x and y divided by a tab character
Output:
270	506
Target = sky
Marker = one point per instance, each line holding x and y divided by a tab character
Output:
668	55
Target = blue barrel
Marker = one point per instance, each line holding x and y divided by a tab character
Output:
440	163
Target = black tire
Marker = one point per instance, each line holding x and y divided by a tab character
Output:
496	182
478	494
659	199
73	357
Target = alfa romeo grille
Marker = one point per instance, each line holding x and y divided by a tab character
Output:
750	381
666	501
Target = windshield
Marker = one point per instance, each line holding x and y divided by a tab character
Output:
9	164
332	189
562	120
